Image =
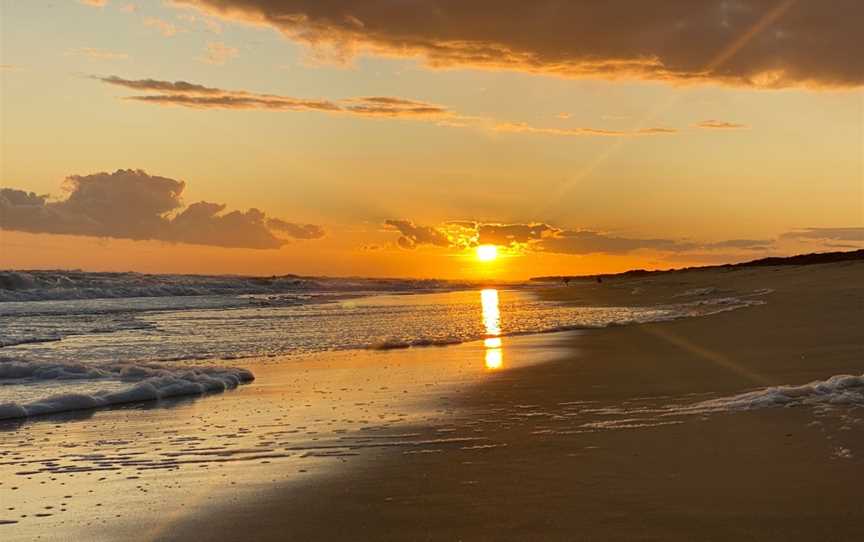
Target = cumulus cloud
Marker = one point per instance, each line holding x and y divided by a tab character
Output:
183	94
719	125
412	235
759	43
297	231
131	204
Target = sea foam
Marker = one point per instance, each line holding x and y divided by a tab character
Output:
837	390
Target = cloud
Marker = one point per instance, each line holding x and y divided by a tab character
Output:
855	234
521	127
183	94
506	234
591	242
413	235
719	125
543	237
297	231
741	244
756	43
165	28
94	3
218	53
100	54
131	204
197	96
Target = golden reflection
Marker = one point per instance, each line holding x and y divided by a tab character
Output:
493	342
492	322
494	358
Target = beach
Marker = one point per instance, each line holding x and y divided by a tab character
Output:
766	474
635	431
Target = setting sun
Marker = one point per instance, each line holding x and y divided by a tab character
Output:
487	253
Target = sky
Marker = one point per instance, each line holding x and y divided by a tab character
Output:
394	137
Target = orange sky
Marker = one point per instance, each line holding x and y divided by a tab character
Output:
342	138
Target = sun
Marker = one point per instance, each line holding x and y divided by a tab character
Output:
487	253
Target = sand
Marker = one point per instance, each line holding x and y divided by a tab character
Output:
580	436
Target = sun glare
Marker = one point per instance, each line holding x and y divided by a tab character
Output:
487	253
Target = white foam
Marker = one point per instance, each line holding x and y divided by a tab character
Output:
151	382
837	390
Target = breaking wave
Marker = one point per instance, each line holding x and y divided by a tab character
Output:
148	383
66	285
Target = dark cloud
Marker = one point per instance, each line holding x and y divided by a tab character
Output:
719	125
184	94
827	234
131	204
761	43
413	235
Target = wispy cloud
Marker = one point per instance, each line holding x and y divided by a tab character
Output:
218	53
720	125
855	234
197	96
164	27
183	94
99	54
522	127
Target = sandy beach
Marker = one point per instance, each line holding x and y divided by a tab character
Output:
767	474
620	433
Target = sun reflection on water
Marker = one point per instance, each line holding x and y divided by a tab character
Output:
494	357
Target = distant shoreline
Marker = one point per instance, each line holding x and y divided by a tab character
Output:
814	258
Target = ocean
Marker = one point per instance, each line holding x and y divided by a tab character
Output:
75	340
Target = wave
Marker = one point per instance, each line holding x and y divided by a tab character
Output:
150	382
69	285
837	390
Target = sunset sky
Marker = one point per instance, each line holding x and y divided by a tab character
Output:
392	137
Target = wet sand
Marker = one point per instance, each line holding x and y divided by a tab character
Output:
577	436
552	473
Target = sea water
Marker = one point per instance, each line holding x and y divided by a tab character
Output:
72	340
